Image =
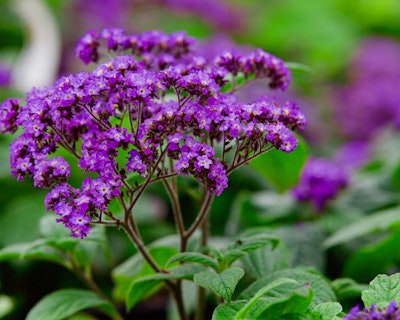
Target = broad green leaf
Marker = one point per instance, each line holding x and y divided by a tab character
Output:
135	267
326	311
253	239
141	290
135	264
143	287
264	261
222	284
95	242
66	302
382	290
231	256
13	252
19	219
56	234
50	229
347	288
289	306
184	271
322	290
250	305
281	169
265	207
229	310
376	222
248	242
372	259
36	250
194	257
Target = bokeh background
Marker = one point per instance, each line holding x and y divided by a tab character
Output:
346	78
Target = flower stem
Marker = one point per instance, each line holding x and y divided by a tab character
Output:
137	241
200	217
201	301
177	212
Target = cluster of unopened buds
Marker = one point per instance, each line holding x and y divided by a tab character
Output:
153	111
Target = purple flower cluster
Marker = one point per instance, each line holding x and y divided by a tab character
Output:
320	181
371	100
391	312
258	63
150	46
131	122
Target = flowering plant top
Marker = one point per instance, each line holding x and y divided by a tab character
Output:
153	111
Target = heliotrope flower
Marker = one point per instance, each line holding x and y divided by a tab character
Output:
370	99
320	181
154	111
391	312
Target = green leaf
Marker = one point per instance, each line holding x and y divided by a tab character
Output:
250	306
248	242
231	256
194	257
373	259
36	250
19	220
184	271
143	287
13	252
326	311
264	261
322	290
292	305
382	290
253	239
56	234
281	169
229	310
135	267
87	248
376	222
52	230
265	207
222	284
140	290
66	302
347	288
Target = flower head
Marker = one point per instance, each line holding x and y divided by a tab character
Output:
155	110
320	181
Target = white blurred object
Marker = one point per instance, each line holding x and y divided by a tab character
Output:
39	60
